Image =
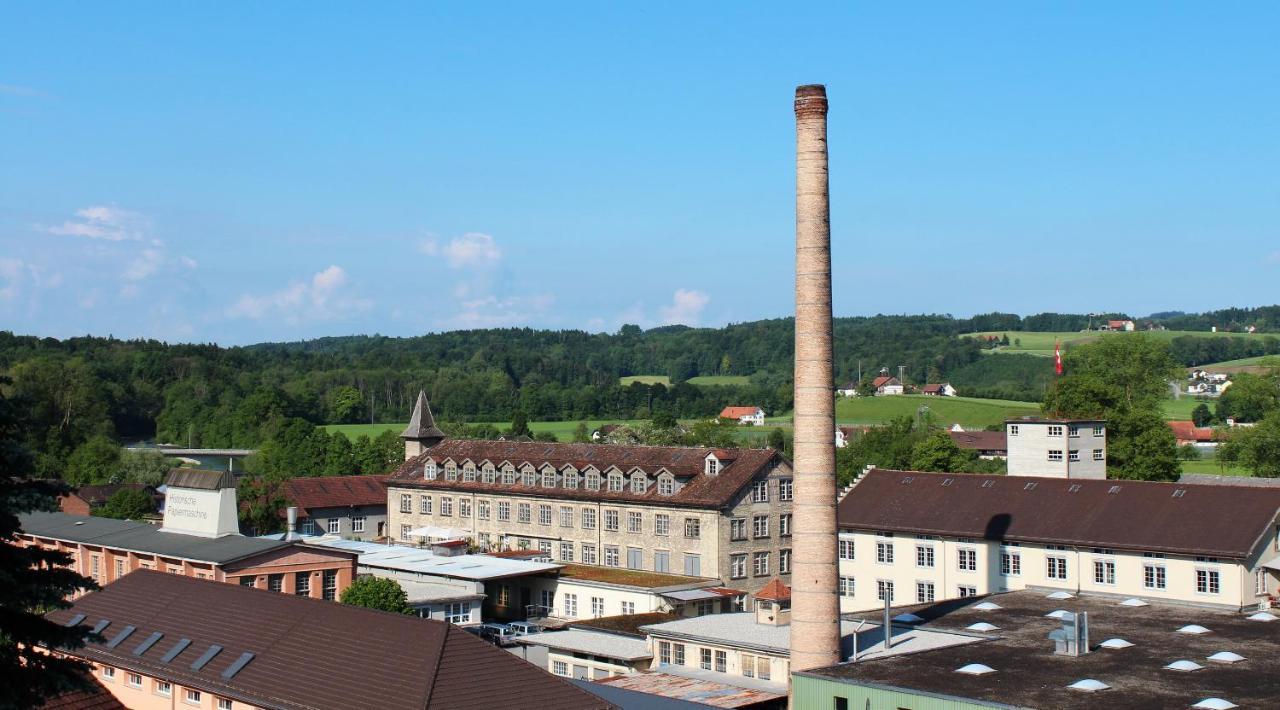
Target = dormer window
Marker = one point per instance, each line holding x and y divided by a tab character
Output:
666	484
713	465
570	479
615	482
508	475
469	473
487	473
528	476
548	477
593	480
639	484
429	471
450	471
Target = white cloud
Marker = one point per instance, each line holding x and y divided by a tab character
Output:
106	222
494	312
322	298
146	263
686	307
473	249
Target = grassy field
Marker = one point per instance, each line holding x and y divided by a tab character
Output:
1212	466
562	430
967	411
1042	343
1248	364
703	380
1181	408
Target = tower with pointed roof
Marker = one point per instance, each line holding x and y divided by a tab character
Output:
422	433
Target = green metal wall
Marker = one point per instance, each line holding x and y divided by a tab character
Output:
810	693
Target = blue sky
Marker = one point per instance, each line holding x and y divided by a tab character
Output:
240	172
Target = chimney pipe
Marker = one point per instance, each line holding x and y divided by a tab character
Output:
815	608
291	527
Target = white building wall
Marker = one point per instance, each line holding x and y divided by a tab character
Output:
1031	443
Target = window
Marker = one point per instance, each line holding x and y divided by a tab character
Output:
108	672
884	552
469	473
1055	430
570	479
635	522
446	506
748	665
760	526
967	559
1013	430
588	518
528	476
548	477
571	606
560	668
661	561
504	595
1153	577
677	656
610	555
738	529
429	471
664	652
404	531
1098	430
760	493
1055	454
566	516
164	687
847	550
785	488
760	564
406	503
924	592
135	680
1098	455
611	520
482	509
1104	572
357	523
763	667
464	507
193	696
615	482
450	471
661	524
1260	582
924	555
884	590
597	607
308	528
964	591
544	546
692	528
846	587
544	515
1074	431
95	562
639	484
784	525
635	558
508	475
329	584
119	568
524	513
666	485
737	566
334	525
722	661
302	584
1208	581
593	480
692	565
1073	455
275	582
1010	564
588	553
504	511
784	561
706	659
628	608
224	704
713	465
1055	567
566	552
487	474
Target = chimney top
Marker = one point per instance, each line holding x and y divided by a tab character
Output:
811	100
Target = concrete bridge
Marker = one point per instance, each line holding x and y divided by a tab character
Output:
188	453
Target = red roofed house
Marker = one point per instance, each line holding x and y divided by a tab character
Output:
887	385
1125	325
1187	432
943	390
745	415
354	507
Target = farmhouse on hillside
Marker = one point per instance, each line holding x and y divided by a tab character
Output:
887	385
1186	432
1119	325
850	389
942	390
744	415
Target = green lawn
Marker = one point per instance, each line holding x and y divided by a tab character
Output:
646	380
1032	343
703	380
1232	365
1181	408
562	430
1212	466
967	411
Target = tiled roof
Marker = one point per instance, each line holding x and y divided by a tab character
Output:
390	661
1188	431
696	489
932	388
774	591
883	380
1208	520
335	491
981	440
738	412
631	577
422	425
98	495
94	697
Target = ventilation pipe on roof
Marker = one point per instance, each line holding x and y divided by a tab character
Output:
291	527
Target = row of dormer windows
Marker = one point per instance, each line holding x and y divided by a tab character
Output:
615	481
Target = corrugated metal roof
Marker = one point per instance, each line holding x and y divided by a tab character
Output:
141	537
699	690
598	643
422	561
198	478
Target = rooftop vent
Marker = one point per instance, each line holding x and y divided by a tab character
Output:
948	481
1183	666
908	618
1261	616
98	627
1226	657
1113	489
120	637
987	606
988	483
1214	704
1179	493
975	669
907	480
1030	486
1060	595
75	619
1059	614
147	643
239	663
205	657
982	626
178	647
1115	644
1073	488
1133	601
1193	629
1089	685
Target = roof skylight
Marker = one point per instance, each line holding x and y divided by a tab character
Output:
1060	595
982	626
1226	657
1115	643
1261	616
1183	666
1193	629
1133	601
1059	614
975	669
1089	685
908	618
1214	704
987	606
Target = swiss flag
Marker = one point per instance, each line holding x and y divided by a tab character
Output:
1057	357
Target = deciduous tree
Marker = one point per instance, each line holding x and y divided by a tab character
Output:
377	593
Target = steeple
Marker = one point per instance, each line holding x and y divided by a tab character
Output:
422	433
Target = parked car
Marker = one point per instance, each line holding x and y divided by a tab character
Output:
498	634
524	628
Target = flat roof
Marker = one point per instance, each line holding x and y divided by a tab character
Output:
737	629
597	643
143	537
634	578
1029	674
419	592
422	561
707	691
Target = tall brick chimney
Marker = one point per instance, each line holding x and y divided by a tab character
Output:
815	608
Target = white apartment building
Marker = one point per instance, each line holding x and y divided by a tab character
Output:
1057	448
925	537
